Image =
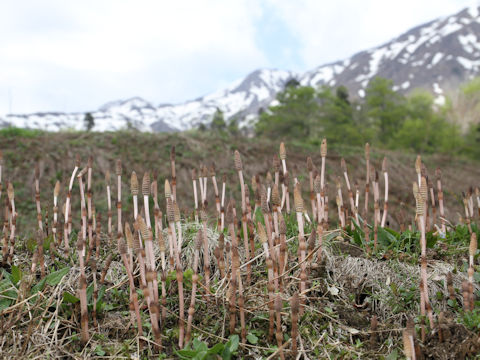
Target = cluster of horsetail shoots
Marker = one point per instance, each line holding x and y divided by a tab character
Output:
266	224
122	249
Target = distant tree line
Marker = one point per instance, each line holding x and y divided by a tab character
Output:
220	126
383	117
89	121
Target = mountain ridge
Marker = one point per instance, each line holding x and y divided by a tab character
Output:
437	56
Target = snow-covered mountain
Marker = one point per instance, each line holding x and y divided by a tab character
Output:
436	56
242	99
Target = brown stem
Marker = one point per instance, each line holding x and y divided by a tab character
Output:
93	266
109	203
191	309
150	274
294	304
37	197
422	310
373	331
271	298
241	300
162	248
174	176
206	253
179	271
279	333
466	296
83	293
41	258
89	203
221	258
234	278
438	174
119	196
133	292
68	205
13	220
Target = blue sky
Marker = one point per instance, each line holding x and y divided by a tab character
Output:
58	55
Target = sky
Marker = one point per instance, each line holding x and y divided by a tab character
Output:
75	56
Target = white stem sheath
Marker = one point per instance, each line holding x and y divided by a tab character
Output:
223	195
147	211
135	206
72	178
109	200
322	177
346	180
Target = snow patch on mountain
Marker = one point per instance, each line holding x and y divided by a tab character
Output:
254	92
438	55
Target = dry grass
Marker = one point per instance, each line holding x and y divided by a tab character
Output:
339	293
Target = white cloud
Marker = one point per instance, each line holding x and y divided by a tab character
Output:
113	49
332	30
76	55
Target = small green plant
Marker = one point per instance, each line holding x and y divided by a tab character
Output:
10	284
471	319
404	298
199	350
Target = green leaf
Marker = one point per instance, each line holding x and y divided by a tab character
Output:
394	288
46	243
187	274
99	351
233	343
357	226
201	355
385	238
252	339
216	349
476	276
431	239
393	232
100	303
330	236
186	354
5	303
226	353
55	277
9	294
69	298
7	275
16	274
38	286
203	347
259	216
90	293
5	284
230	347
393	355
196	343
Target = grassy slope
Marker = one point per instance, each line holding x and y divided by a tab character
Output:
55	152
331	321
